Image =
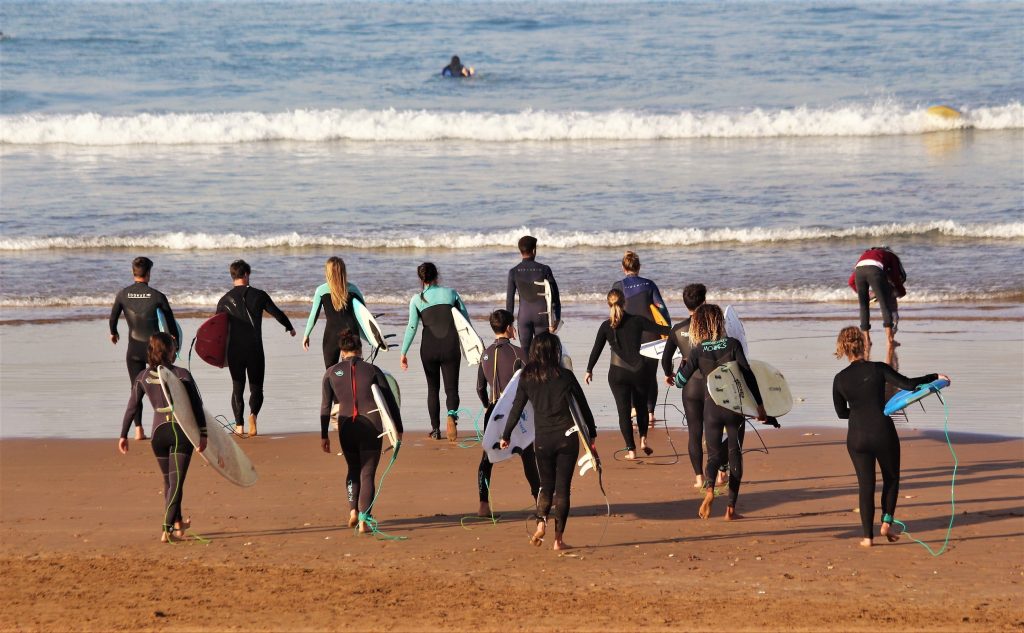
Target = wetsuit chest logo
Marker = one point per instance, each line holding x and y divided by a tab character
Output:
339	373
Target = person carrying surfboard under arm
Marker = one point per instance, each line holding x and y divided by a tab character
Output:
879	271
172	449
643	299
858	393
527	278
245	306
350	383
139	303
497	365
627	375
710	348
549	387
440	350
335	299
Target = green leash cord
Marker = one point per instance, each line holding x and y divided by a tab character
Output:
952	488
493	519
478	437
365	517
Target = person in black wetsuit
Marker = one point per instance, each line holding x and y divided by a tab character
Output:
359	426
641	294
172	449
139	303
710	348
497	365
549	387
533	309
245	306
440	350
335	299
858	393
456	69
627	376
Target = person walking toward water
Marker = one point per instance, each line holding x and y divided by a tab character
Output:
172	449
498	364
140	303
641	297
440	350
879	271
349	383
858	393
710	348
627	375
527	279
549	387
335	299
245	306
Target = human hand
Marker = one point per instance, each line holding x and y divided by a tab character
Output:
114	338
403	362
325	444
305	343
587	377
502	444
670	381
122	445
292	332
946	378
202	444
761	415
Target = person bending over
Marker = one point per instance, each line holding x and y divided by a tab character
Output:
879	272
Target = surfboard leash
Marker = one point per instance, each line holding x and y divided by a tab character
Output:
366	518
478	436
493	519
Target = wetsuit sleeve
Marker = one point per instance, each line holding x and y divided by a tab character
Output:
839	400
196	401
326	400
389	400
581	402
599	343
172	323
659	302
276	312
517	410
222	305
414	324
748	376
510	293
460	305
556	302
650	326
481	386
666	356
115	313
689	366
314	311
134	402
894	377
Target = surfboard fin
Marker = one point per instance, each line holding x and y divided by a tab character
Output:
585	463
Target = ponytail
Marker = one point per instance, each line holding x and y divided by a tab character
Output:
616	307
427	272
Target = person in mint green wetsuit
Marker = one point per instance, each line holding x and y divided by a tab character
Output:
335	299
440	350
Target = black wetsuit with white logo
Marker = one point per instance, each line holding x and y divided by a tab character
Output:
139	304
532	317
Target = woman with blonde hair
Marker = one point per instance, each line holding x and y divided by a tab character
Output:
335	299
711	347
627	375
858	393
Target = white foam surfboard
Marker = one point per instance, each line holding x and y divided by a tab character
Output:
386	421
368	326
729	390
221	451
472	345
734	328
522	436
589	460
546	293
654	349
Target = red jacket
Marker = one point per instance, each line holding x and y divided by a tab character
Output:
891	266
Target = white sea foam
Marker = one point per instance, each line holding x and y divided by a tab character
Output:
946	229
875	119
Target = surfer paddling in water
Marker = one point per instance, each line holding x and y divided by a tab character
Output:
711	348
335	299
548	387
627	374
440	350
858	393
349	383
172	449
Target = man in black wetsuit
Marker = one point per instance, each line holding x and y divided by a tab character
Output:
245	306
533	310
139	303
456	69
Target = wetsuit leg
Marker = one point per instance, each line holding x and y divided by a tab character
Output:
332	353
135	365
694	410
733	427
888	454
622	391
526	332
483	478
640	387
530	469
173	453
556	461
361	448
651	366
432	371
450	375
256	369
237	365
715	418
864	466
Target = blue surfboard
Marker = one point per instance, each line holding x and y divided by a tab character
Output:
161	323
904	399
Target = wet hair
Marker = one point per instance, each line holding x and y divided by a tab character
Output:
349	341
141	266
527	245
500	320
694	295
616	307
850	343
631	262
239	268
337	281
545	358
160	351
428	274
707	324
456	61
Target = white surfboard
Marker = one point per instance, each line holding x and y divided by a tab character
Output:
221	451
368	326
729	390
472	345
386	421
734	328
654	349
589	460
161	324
546	293
522	436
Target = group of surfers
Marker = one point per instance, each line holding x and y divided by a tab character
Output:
546	383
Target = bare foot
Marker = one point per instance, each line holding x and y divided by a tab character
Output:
353	518
890	533
866	542
644	447
630	455
363	528
560	545
140	434
722	479
181	526
732	515
698	481
705	506
537	538
252	425
174	536
239	430
650	419
485	510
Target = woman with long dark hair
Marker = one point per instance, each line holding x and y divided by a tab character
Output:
549	388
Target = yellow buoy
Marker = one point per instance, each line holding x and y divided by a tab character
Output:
944	112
